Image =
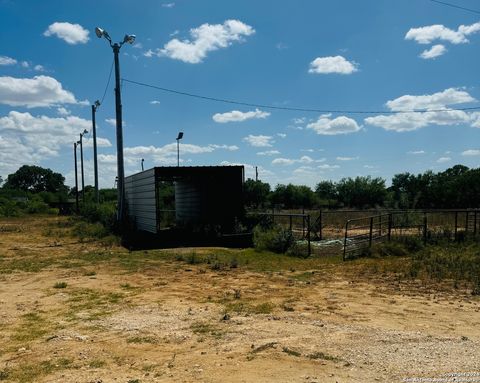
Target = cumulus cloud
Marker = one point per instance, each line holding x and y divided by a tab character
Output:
281	135
333	64
442	160
29	139
439	100
5	60
346	158
328	167
291	161
416	152
403	122
433	52
237	116
70	33
471	152
154	102
268	153
340	125
204	39
39	91
430	33
259	141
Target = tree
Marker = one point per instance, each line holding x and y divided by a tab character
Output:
255	193
293	196
361	192
36	179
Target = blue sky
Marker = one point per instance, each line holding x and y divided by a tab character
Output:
342	55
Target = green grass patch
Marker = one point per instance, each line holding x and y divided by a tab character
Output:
207	329
242	307
33	372
142	339
33	326
60	285
95	303
96	363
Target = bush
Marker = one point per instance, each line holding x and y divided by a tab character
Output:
100	213
9	208
277	239
298	249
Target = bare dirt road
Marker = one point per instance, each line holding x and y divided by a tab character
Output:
74	311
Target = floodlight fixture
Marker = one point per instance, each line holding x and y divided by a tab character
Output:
180	136
129	39
96	103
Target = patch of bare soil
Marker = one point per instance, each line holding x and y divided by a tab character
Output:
75	311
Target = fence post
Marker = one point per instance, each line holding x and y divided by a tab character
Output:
371	233
475	223
308	236
345	241
425	228
290	222
273	215
303	226
456	225
389	234
320	224
466	222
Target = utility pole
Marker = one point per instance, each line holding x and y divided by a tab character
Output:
256	173
95	106
81	163
142	163
179	137
118	114
76	174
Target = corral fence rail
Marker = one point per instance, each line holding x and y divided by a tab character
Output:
361	233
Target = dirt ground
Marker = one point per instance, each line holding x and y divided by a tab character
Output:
87	311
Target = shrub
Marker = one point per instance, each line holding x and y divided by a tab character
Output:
100	213
298	249
277	239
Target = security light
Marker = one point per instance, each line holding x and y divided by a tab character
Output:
99	32
129	39
180	136
97	104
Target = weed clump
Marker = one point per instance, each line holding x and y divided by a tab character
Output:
276	239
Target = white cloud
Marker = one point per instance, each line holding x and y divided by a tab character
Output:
259	141
154	102
39	91
281	135
149	53
70	33
471	152
25	64
237	116
416	152
433	52
332	64
346	158
290	161
442	160
428	34
226	147
403	122
204	39
340	125
63	111
168	5
113	122
268	153
439	100
299	121
328	167
5	60
39	68
28	139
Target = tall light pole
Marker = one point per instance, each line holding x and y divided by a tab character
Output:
179	137
80	142
95	106
76	174
142	163
118	113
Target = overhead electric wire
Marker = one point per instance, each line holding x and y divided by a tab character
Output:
455	6
295	109
108	83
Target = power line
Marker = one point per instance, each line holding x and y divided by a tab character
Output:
455	6
108	83
294	109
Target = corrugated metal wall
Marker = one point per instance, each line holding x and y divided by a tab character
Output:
141	200
188	201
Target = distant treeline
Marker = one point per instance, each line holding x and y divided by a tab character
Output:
456	187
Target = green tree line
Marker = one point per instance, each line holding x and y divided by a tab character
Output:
456	187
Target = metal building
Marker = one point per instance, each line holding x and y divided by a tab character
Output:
185	197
